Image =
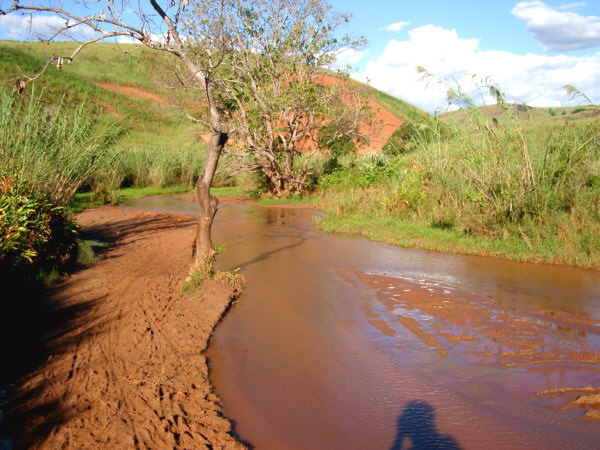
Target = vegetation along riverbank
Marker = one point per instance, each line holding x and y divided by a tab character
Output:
515	182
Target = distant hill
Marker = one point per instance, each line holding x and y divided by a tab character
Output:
525	114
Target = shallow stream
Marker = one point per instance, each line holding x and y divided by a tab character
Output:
339	342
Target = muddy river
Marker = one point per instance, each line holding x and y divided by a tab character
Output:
340	342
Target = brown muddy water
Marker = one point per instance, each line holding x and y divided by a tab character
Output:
340	342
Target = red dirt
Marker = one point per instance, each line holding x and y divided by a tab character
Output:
132	92
128	370
385	122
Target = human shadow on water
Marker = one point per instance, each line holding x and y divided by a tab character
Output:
416	430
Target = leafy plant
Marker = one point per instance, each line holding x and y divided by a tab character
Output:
35	235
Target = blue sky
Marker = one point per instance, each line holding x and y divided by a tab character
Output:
530	48
491	21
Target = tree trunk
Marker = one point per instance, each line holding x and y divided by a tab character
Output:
205	253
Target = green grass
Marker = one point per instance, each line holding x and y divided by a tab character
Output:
523	193
421	234
85	250
124	64
398	107
527	115
149	123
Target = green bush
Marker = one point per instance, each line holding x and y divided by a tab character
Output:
338	147
35	236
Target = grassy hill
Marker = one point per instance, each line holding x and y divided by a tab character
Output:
398	107
128	83
117	83
527	115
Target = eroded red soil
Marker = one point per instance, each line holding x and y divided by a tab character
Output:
132	92
384	122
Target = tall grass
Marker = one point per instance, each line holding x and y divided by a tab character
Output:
534	187
54	153
149	166
45	156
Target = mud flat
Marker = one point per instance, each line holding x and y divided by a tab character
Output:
125	368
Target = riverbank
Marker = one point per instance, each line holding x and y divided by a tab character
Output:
421	234
541	247
124	367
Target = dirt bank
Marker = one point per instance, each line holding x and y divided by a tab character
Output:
125	368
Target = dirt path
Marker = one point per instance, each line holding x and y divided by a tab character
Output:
126	370
133	92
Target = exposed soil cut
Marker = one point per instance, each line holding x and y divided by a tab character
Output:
125	368
132	92
384	122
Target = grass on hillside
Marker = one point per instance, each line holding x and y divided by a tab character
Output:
527	115
149	123
123	64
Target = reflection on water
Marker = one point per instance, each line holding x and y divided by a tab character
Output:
339	342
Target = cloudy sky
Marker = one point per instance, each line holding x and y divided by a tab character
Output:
531	49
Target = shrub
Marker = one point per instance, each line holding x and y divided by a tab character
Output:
35	236
338	147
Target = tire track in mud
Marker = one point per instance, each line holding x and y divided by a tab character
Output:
130	373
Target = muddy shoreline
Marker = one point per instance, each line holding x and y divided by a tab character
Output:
123	365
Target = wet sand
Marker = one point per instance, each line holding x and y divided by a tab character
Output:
124	367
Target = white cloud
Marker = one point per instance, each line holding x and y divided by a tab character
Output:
125	40
349	57
397	26
572	5
559	30
537	80
35	27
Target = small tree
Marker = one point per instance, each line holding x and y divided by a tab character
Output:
273	85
